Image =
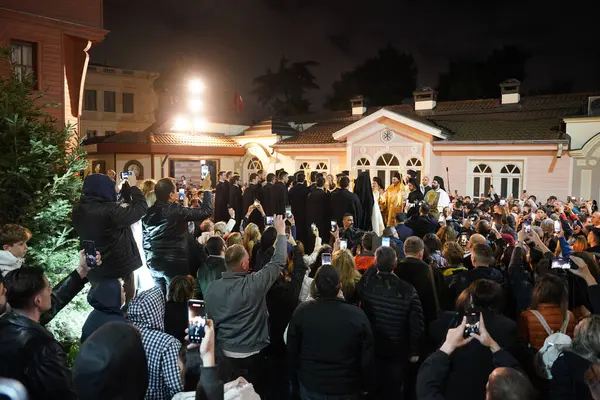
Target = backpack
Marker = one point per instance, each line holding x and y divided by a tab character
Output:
552	348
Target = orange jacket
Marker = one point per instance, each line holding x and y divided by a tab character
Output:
533	331
363	263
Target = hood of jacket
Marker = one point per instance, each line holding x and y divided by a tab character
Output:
115	350
492	274
215	262
105	296
100	186
147	310
8	262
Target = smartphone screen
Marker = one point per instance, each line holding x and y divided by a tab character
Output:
326	259
343	244
181	194
196	320
385	241
561	263
556	226
204	172
124	175
527	226
269	220
333	226
288	211
256	203
472	325
464	239
90	253
313	227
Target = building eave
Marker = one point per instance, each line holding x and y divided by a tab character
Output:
118	148
312	145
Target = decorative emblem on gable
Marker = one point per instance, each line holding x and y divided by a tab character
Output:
387	135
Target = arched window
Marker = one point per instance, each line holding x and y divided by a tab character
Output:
387	164
304	166
416	165
482	179
510	181
254	165
321	167
363	165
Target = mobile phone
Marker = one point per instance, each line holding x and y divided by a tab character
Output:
326	259
90	253
196	320
256	203
11	389
125	175
181	194
473	218
472	325
385	241
269	220
343	244
333	226
502	202
527	226
204	171
557	226
463	239
288	211
313	227
562	263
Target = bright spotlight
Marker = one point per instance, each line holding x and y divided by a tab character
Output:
196	86
199	124
181	124
195	105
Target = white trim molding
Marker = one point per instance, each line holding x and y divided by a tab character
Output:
587	147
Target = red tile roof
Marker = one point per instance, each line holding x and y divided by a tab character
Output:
170	139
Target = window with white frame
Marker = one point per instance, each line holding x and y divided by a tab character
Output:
510	181
362	165
416	165
482	179
24	61
385	165
254	165
304	166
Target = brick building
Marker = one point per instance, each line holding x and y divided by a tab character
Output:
50	40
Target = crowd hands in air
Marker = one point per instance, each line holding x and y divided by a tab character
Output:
311	288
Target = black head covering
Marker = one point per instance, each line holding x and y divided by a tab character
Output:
397	175
112	352
439	180
364	191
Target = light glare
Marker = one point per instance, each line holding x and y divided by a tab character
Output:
195	105
181	124
196	86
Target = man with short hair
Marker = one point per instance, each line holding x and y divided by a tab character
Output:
235	202
236	303
330	344
425	185
222	198
298	197
214	265
482	257
252	194
404	231
318	212
596	219
394	310
268	195
416	272
423	223
348	232
29	352
593	239
165	231
345	202
281	192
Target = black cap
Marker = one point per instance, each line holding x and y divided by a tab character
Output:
401	217
346	172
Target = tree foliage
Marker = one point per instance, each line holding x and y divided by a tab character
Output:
283	91
40	182
388	78
471	78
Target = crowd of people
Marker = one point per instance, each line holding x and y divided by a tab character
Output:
313	288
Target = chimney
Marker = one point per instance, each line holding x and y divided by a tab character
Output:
425	99
510	91
359	105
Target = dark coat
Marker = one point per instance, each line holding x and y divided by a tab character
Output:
344	201
252	193
111	353
235	202
222	202
417	273
211	271
108	224
330	347
394	310
404	232
268	199
462	280
318	212
474	362
298	196
567	378
105	298
165	234
280	193
422	225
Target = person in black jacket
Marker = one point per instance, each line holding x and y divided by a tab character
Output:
281	193
482	257
29	352
235	201
423	223
165	231
106	297
111	353
318	212
249	197
394	310
99	218
330	344
298	196
222	198
345	202
214	265
181	290
267	195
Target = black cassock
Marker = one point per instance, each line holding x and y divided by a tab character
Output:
252	193
344	201
297	197
318	212
267	199
235	202
281	198
221	202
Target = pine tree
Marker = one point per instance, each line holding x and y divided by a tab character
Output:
40	180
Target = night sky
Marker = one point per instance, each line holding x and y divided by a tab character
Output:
232	41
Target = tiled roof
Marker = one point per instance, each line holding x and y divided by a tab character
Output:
534	118
272	126
170	138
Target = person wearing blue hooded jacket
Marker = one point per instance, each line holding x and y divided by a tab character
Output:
106	297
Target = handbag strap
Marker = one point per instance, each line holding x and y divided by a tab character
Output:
435	294
565	324
542	321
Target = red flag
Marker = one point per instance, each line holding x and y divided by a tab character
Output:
238	102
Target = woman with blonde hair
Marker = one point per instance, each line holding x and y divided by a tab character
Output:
252	241
580	243
148	191
343	262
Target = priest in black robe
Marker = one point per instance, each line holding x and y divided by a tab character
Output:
344	201
281	192
268	195
251	194
235	201
364	190
222	199
318	212
298	196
